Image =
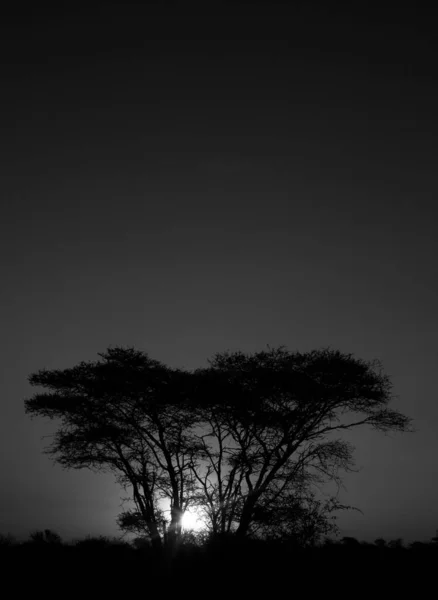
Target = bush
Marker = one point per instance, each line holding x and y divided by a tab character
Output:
8	540
45	537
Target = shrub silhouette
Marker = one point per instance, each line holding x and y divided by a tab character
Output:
7	541
396	544
45	537
350	541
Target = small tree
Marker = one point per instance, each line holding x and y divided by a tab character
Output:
46	537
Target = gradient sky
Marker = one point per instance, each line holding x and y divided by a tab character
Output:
265	178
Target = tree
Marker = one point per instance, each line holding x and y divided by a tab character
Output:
350	542
270	421
126	414
248	440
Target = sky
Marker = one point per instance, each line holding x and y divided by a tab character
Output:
188	182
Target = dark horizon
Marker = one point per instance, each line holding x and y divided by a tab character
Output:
268	178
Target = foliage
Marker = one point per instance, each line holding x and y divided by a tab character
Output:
270	421
396	544
249	440
304	520
125	414
349	541
101	542
141	542
7	540
47	536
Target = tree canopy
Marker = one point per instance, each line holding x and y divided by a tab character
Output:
244	441
125	414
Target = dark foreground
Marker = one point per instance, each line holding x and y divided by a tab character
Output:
223	569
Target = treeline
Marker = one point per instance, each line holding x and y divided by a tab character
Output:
105	565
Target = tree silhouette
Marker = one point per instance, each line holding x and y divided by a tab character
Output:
247	440
46	537
270	420
350	541
125	414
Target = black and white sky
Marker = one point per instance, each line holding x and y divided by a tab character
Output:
188	181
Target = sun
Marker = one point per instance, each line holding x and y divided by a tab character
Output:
192	521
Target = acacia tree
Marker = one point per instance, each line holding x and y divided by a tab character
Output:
270	425
245	440
126	414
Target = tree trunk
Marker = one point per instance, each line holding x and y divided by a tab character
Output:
174	531
246	517
155	536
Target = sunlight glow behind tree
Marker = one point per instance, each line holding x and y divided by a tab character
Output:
192	520
237	447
